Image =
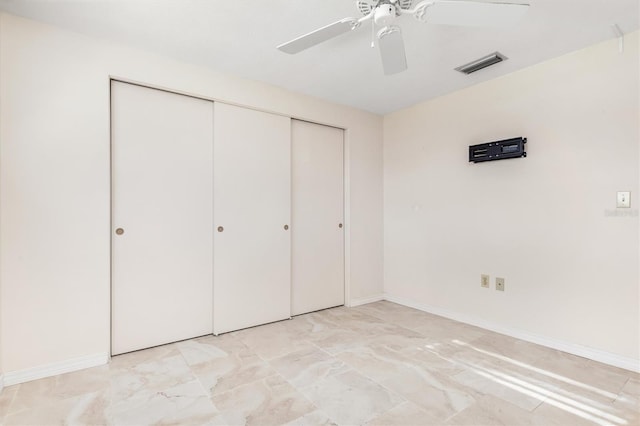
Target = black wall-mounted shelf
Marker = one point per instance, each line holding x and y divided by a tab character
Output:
498	150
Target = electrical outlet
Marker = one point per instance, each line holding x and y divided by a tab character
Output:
500	284
484	281
623	200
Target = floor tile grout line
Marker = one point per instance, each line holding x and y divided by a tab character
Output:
263	379
363	374
353	369
250	382
470	368
299	392
546	398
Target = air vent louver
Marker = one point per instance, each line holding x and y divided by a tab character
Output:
481	63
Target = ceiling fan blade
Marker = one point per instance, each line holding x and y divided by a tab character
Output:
318	36
391	48
474	13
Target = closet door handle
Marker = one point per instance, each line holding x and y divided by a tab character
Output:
339	225
119	231
286	227
220	228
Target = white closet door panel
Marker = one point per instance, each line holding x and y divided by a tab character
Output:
317	212
162	186
252	199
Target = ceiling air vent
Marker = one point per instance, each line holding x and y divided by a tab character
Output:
481	63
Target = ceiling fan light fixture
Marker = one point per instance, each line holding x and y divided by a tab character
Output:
484	62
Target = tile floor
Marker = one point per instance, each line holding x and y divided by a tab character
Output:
377	364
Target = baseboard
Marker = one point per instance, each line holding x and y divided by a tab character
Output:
572	348
53	369
364	300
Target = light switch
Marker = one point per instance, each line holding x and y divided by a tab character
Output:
623	199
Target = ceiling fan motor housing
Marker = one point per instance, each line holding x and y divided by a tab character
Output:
384	15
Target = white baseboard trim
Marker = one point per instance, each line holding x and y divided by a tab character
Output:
53	369
364	300
572	348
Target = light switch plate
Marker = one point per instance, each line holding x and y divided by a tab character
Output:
623	200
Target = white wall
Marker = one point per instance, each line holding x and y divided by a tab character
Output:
54	182
546	223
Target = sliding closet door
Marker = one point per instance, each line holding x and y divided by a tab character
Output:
162	204
252	202
317	217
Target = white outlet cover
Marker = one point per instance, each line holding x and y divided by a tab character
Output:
484	280
623	199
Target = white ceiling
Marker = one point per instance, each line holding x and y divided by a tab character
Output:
240	37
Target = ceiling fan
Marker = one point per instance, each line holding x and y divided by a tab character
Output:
383	14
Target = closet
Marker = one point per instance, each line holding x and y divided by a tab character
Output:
223	217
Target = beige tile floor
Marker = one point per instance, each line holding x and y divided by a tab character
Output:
377	364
